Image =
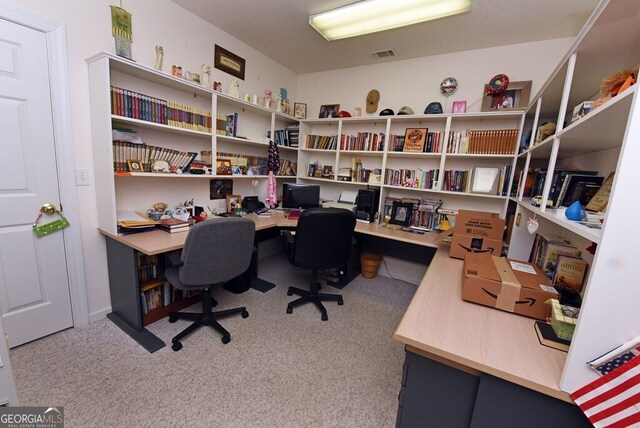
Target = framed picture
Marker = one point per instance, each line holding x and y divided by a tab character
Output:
414	139
327	171
459	107
228	62
401	213
135	165
223	167
516	97
329	110
219	189
234	202
485	180
311	172
299	110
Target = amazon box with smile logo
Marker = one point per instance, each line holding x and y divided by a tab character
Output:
506	284
477	232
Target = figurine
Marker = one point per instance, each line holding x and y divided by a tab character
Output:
267	98
176	70
205	75
234	89
159	56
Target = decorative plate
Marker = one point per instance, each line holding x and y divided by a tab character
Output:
498	84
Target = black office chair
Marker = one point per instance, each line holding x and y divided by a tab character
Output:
322	241
214	252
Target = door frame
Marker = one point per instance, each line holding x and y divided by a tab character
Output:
61	116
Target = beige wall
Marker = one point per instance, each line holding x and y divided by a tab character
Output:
416	82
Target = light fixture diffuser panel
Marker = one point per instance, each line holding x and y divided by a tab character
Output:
371	16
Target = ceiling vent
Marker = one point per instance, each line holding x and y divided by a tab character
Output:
387	53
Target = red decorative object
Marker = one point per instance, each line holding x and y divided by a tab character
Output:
498	84
592	248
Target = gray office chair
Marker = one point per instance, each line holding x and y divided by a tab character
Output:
214	252
322	240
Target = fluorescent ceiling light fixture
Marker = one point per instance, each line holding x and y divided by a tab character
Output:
371	16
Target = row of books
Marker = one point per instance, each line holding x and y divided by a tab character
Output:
417	178
227	125
147	267
559	260
495	141
457	180
161	295
360	174
127	103
503	180
287	137
567	186
145	154
367	141
247	161
324	142
288	168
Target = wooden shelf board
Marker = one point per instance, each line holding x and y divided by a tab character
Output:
160	127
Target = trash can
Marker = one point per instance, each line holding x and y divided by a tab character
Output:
369	264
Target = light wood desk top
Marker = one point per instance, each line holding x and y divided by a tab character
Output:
158	241
465	334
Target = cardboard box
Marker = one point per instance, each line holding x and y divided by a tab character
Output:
477	232
505	284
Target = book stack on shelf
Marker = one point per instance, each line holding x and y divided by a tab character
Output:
227	124
421	141
568	186
173	225
145	154
132	104
360	174
416	178
323	142
292	133
365	141
485	142
147	267
133	222
280	137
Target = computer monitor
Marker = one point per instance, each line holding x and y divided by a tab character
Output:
300	196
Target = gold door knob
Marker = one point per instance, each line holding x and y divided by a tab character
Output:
48	209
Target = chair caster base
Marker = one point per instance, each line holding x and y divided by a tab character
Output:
245	314
289	293
324	317
226	339
340	301
289	310
176	346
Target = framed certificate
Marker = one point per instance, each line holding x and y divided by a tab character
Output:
485	180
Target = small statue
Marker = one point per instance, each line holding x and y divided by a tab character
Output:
205	75
287	107
159	56
234	89
279	104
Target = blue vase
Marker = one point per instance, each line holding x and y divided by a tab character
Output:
575	211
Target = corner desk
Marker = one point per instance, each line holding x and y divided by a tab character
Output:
456	351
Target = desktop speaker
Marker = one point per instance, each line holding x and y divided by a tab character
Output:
367	204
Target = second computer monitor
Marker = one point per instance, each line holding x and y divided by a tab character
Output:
300	196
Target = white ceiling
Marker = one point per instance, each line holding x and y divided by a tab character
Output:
280	29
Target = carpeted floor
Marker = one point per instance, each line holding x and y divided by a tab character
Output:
279	370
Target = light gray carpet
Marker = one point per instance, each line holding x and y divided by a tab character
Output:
279	370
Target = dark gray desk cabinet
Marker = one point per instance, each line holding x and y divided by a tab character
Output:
433	394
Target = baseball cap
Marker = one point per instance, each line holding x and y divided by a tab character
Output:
433	108
344	113
387	112
405	110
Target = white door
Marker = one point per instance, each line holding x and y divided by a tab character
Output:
34	285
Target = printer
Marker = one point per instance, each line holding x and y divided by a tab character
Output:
346	200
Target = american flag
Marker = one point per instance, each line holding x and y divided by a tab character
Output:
614	399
